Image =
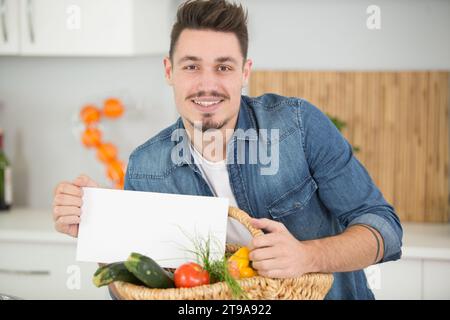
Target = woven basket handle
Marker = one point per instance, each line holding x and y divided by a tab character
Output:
244	218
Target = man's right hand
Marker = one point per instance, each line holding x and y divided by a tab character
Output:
67	204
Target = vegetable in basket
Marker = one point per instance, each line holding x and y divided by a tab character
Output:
138	269
190	275
148	271
142	270
240	260
113	272
219	269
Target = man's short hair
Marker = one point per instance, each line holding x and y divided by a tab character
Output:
215	15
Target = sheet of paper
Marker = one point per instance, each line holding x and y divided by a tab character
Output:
115	223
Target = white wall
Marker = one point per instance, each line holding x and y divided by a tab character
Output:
327	34
40	96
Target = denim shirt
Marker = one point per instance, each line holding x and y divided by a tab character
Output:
318	189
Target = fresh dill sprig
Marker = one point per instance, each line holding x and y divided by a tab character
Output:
217	269
219	272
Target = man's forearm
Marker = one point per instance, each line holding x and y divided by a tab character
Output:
354	249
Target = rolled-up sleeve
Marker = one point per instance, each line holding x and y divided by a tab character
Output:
344	185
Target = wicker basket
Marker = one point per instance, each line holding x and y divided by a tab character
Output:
313	286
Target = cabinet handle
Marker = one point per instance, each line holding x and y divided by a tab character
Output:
25	272
30	20
3	20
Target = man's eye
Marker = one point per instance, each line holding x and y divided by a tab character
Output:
224	68
191	67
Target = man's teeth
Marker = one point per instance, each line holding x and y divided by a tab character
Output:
206	103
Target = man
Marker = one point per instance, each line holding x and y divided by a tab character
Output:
319	208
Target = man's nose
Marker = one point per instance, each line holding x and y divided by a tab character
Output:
208	81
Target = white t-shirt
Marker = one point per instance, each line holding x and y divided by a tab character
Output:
216	175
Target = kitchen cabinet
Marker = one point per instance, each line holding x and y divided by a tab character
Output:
46	271
396	280
90	28
9	27
436	279
423	272
36	262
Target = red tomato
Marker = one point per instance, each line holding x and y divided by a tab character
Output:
190	275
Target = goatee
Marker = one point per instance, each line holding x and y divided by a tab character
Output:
208	123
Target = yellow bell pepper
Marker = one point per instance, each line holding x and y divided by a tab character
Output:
243	253
247	272
242	260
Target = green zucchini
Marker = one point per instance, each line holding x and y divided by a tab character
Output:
113	272
148	271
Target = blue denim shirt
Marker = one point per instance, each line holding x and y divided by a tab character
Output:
319	189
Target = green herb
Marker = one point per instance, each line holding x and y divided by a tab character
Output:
219	272
217	269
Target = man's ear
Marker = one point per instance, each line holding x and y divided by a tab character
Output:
246	72
168	70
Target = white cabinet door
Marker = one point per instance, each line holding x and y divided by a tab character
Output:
436	280
46	271
396	280
92	28
9	27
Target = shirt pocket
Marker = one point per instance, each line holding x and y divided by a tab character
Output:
294	200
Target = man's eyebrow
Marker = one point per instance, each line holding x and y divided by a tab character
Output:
189	58
226	59
196	59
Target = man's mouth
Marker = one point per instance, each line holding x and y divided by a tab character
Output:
208	105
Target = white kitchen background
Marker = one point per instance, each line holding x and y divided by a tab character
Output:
40	94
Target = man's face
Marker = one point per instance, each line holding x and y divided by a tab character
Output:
207	73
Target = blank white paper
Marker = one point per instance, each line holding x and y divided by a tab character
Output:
115	223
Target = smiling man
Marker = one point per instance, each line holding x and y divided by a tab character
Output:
320	210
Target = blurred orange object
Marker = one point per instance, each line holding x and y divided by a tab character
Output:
116	171
107	152
113	108
91	137
90	114
120	185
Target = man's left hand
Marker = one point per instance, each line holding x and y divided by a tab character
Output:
278	254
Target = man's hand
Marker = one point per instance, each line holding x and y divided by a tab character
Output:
67	204
278	254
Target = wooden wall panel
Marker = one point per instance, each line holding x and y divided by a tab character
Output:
399	120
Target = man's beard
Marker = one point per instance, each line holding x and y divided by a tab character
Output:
208	123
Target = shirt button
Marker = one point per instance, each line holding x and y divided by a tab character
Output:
297	205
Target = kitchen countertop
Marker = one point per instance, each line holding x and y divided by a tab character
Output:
23	224
426	240
420	240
